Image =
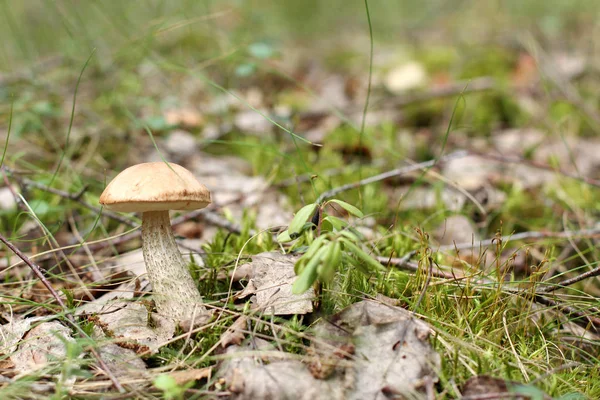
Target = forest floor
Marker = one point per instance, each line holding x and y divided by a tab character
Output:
432	175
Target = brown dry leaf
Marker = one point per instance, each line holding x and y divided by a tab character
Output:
12	333
422	198
405	77
122	362
187	117
390	335
345	347
182	377
483	387
250	377
7	200
271	283
250	121
131	322
180	145
41	345
457	229
229	183
235	333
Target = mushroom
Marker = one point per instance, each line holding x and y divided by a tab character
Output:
153	189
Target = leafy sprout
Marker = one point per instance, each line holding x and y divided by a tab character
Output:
336	244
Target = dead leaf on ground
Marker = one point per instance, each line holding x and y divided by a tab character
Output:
187	117
180	144
405	77
249	377
346	344
252	122
122	362
271	283
483	387
43	344
456	229
189	375
235	334
131	322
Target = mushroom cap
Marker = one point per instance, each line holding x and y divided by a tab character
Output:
155	186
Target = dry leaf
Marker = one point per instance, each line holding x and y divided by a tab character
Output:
235	334
41	345
405	77
182	377
368	351
131	323
122	362
272	278
484	387
185	116
250	121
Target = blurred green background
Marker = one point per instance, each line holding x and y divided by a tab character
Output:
194	30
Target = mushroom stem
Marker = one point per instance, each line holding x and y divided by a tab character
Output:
175	293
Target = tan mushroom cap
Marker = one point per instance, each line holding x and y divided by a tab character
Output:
155	187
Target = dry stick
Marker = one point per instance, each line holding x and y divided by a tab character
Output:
52	243
535	164
582	319
406	264
507	238
570	281
210	216
449	90
37	270
389	174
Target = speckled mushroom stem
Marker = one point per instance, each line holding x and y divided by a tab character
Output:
175	293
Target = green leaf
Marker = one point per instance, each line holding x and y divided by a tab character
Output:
572	396
367	259
529	391
310	253
244	70
355	263
309	274
300	218
260	50
348	207
164	382
337	223
284	237
326	269
352	235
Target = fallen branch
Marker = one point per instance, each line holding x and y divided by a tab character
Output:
439	92
535	164
208	215
588	233
389	174
408	265
570	281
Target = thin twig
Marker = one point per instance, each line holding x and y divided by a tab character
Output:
389	174
408	265
37	270
580	318
449	90
570	281
535	164
208	215
76	197
52	243
509	238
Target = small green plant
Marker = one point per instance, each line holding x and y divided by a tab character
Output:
171	390
328	242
